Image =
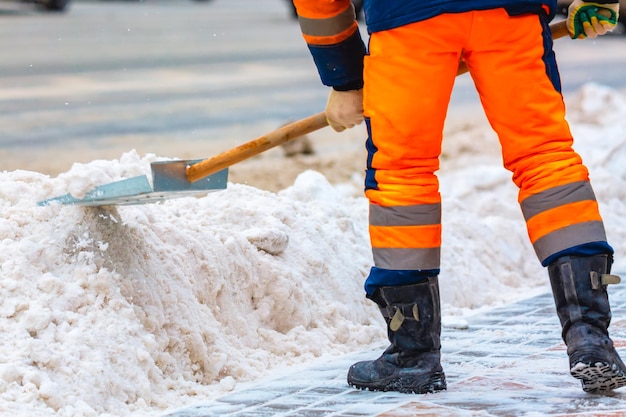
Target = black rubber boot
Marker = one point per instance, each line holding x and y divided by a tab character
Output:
582	304
412	363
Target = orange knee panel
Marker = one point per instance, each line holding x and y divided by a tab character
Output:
409	74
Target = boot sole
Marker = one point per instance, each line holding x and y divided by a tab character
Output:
435	383
599	377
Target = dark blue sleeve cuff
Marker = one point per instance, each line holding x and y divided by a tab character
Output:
341	65
380	277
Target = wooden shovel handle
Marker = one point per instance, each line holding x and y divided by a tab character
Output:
256	146
558	30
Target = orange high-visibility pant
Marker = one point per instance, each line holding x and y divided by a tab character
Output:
409	74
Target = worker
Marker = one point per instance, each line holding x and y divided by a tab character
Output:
400	85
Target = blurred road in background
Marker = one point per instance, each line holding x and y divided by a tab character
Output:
179	78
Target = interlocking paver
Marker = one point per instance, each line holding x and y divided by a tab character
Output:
510	361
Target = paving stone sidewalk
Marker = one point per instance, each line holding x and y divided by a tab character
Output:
509	362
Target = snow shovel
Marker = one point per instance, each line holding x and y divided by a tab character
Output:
180	178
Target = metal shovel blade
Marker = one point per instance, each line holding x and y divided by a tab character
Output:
169	179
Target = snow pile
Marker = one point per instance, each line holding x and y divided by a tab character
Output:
132	310
138	305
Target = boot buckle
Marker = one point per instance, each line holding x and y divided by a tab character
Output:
398	316
396	320
602	280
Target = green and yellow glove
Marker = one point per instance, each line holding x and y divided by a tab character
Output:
587	19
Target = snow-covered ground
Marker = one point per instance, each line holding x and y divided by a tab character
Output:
133	310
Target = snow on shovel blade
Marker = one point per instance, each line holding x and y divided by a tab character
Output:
169	180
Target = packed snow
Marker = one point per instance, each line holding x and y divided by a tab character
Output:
134	310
